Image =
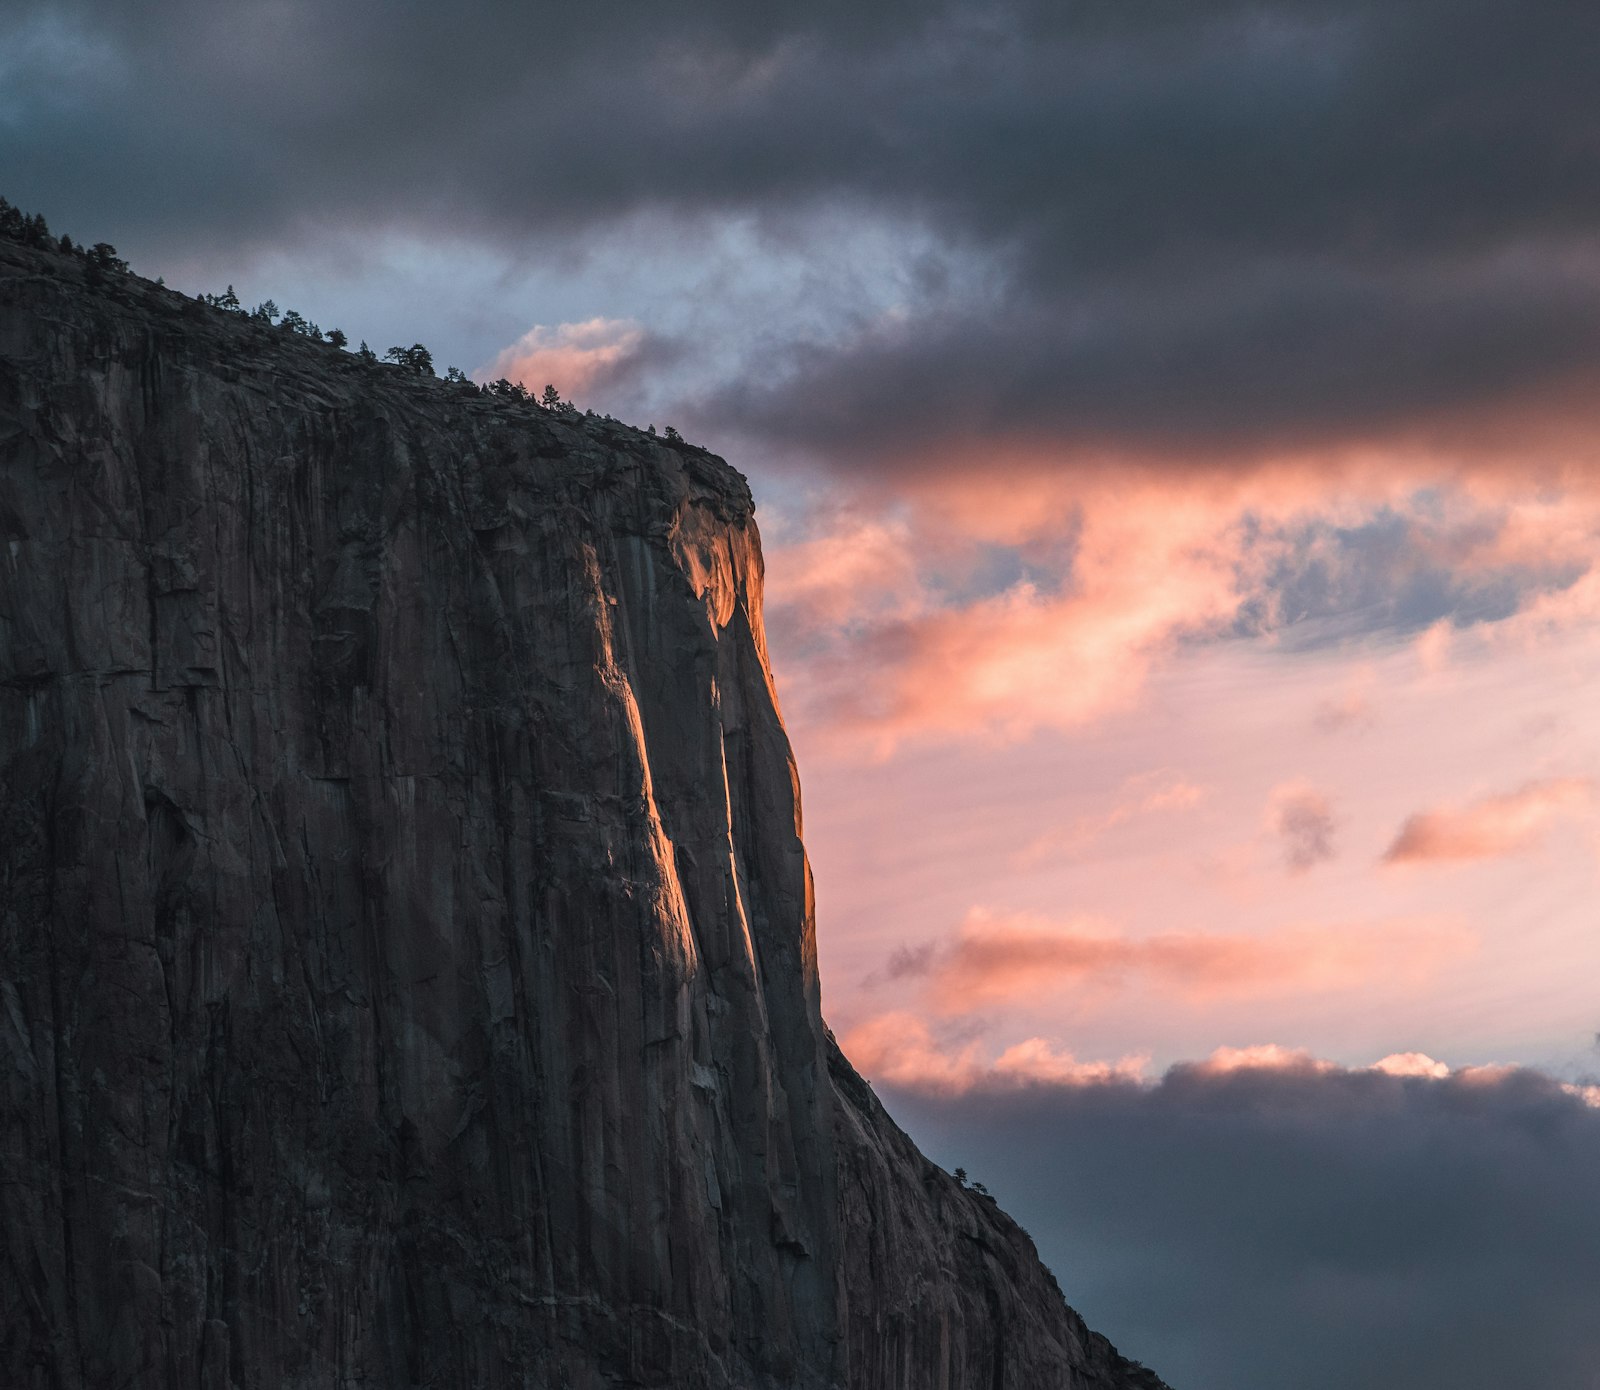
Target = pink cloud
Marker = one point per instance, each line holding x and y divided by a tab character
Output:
1411	1064
1433	646
1052	651
900	1049
996	959
1123	566
1260	1057
1556	612
1492	827
861	569
573	357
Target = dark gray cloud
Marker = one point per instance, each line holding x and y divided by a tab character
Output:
1257	1230
1215	226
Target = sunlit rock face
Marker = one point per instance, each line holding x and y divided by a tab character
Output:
407	973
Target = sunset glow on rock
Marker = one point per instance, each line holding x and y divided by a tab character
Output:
1174	436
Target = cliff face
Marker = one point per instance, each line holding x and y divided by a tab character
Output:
407	973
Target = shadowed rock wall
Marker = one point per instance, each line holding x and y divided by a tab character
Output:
407	971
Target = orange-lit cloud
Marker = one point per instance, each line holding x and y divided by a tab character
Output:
900	1049
1405	1065
996	959
1558	611
1492	827
1118	569
1145	570
1260	1057
1411	1064
572	357
858	569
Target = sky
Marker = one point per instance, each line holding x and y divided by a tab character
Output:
1174	435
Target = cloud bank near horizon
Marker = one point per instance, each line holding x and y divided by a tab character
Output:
1262	1220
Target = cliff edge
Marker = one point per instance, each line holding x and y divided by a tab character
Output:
407	969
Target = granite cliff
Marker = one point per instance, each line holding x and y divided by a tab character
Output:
407	972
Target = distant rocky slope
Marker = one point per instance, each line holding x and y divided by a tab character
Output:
407	972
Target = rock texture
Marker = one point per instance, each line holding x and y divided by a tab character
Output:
407	972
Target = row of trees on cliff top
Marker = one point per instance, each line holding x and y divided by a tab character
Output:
101	259
30	229
416	358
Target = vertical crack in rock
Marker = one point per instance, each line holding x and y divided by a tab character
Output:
407	966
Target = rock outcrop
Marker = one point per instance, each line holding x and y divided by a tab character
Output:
407	973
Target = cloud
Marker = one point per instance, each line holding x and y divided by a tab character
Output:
1411	1064
1260	1057
1303	821
1490	828
852	571
1007	959
901	1049
1015	662
1164	289
573	357
1433	646
1201	231
975	607
1556	612
1067	640
1281	1221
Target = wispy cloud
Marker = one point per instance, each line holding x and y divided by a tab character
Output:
994	959
1492	827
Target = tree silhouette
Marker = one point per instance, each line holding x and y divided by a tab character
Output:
102	256
415	358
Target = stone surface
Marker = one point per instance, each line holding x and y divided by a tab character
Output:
407	972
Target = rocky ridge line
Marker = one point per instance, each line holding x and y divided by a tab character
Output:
407	965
